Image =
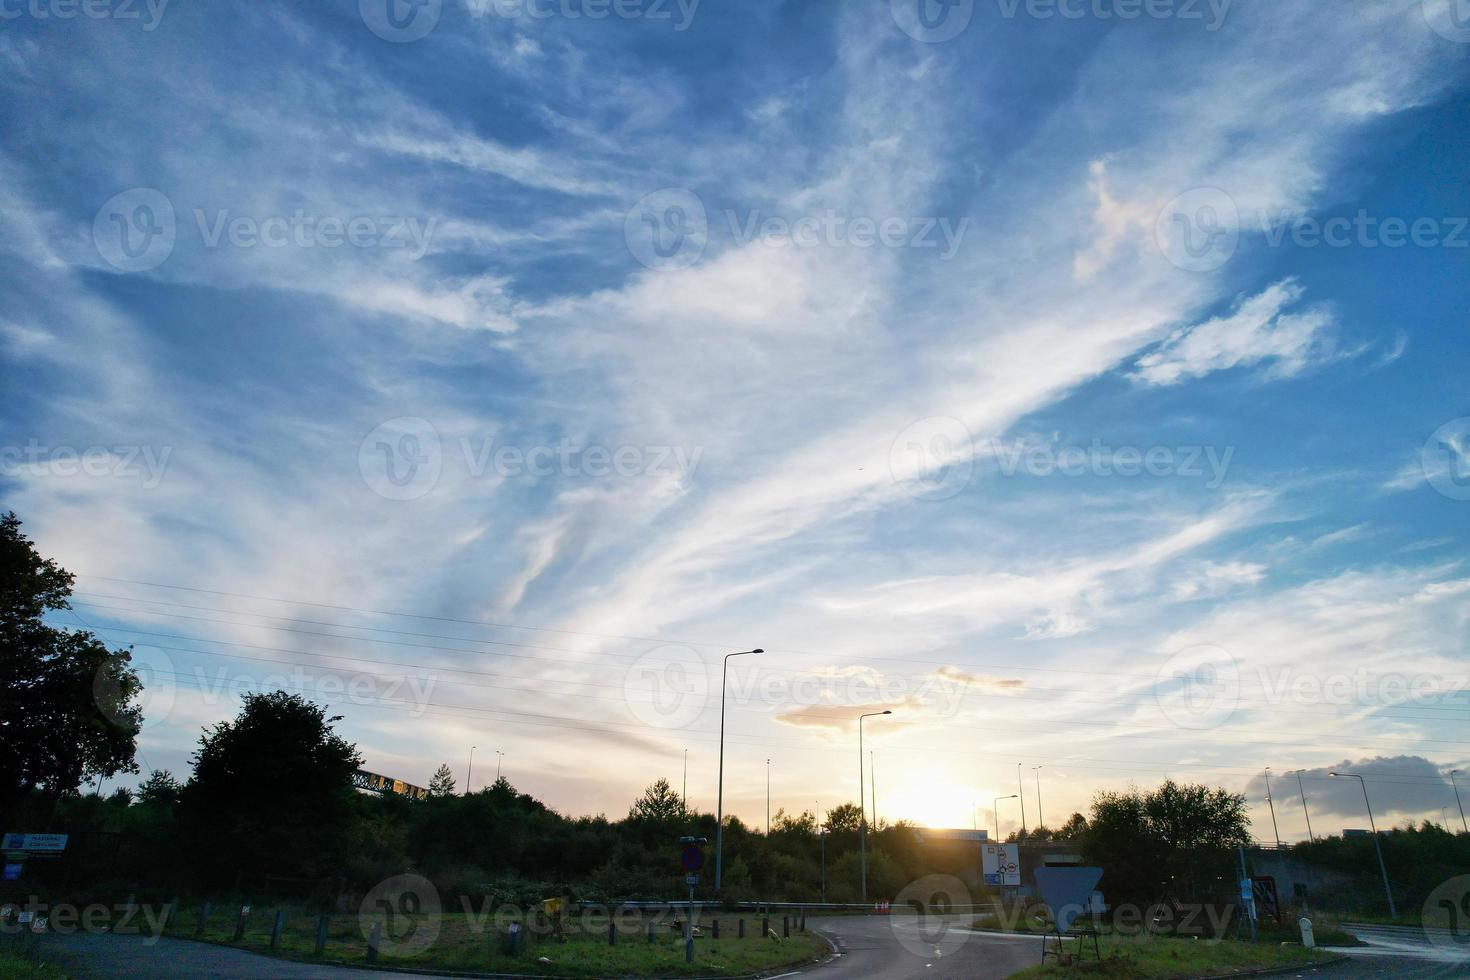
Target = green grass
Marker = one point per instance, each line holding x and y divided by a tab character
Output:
1149	958
464	943
15	968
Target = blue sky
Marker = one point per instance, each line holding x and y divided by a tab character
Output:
1088	389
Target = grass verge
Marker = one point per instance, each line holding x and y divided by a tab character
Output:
1152	958
16	968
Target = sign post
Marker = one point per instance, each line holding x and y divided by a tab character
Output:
692	860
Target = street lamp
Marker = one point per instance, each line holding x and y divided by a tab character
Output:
995	809
862	806
1272	805
1453	774
720	792
469	769
1305	812
1020	791
1040	820
499	758
768	797
1383	868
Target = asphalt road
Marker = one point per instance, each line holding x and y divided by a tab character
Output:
1399	952
105	956
937	947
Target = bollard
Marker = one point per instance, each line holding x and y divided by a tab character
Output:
803	921
203	919
375	939
276	928
785	927
612	933
321	934
240	922
741	930
715	929
650	932
765	926
1309	941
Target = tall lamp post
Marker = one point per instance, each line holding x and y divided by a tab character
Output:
862	807
1383	868
469	769
1040	820
1272	805
1020	794
1453	774
499	758
995	809
1305	812
720	792
768	797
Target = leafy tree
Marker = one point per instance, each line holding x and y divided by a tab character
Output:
659	804
67	703
159	789
272	792
843	818
1166	843
441	783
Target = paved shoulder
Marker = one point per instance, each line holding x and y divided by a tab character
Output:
105	956
935	947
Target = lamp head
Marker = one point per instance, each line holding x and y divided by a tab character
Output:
887	712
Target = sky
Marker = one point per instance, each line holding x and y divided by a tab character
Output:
1082	382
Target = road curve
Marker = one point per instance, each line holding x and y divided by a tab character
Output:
905	945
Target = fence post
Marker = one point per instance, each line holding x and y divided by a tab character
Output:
715	928
650	932
765	926
321	934
374	940
276	928
240	922
612	933
785	927
203	919
741	929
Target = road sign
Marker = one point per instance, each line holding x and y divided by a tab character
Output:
34	843
692	859
1067	892
691	880
12	872
1002	864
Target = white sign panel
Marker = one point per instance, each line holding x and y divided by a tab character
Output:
34	842
1002	864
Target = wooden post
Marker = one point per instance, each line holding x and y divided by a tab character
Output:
203	919
785	927
650	932
276	928
374	940
612	933
765	926
741	929
715	928
240	922
321	934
